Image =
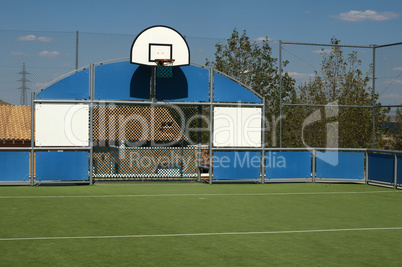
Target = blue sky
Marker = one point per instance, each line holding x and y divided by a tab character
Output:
352	21
42	33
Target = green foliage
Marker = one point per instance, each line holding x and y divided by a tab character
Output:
251	63
397	132
340	81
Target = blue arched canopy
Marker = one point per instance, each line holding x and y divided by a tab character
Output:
121	80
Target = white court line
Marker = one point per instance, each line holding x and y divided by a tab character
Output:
206	194
198	234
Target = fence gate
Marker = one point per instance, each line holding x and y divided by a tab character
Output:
145	142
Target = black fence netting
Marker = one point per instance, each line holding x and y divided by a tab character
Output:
138	142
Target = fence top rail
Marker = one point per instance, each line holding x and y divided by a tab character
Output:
381	46
315	149
60	149
384	151
15	149
329	105
331	45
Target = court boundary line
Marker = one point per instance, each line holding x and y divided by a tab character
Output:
204	194
200	234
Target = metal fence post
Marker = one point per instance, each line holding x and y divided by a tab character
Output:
76	49
280	93
367	168
395	171
263	143
314	165
91	108
32	162
211	115
199	161
374	47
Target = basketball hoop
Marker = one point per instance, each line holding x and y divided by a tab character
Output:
164	68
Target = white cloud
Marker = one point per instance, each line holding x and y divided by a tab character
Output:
397	69
18	54
298	75
392	96
30	38
356	15
396	81
260	39
26	38
389	82
45	39
322	51
40	84
49	53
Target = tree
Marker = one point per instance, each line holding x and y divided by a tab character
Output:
252	63
397	132
340	81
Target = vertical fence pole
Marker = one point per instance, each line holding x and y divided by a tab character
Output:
280	93
76	49
314	165
374	102
211	115
32	162
367	168
263	143
91	135
152	90
199	161
395	171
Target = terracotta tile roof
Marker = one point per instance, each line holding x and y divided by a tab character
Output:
15	123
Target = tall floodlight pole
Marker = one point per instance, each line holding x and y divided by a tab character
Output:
23	88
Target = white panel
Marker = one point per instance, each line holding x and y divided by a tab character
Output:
237	127
61	125
160	52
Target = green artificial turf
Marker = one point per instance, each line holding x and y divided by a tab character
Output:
244	219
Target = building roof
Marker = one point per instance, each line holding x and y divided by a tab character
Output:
15	123
2	102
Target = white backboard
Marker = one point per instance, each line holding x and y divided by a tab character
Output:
61	125
160	42
237	127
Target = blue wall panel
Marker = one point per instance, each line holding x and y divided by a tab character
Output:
399	165
236	165
62	166
381	167
189	83
226	90
285	165
340	165
75	86
14	166
122	81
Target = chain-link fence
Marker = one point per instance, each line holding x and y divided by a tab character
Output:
388	74
322	74
142	142
49	55
360	84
